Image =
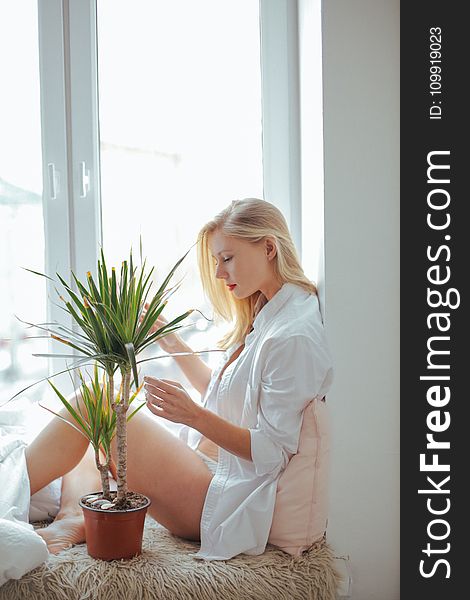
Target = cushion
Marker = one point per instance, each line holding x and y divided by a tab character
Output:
167	570
301	509
21	549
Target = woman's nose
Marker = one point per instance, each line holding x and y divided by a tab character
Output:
220	273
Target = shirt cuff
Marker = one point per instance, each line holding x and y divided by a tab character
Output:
267	456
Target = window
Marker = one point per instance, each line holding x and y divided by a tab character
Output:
180	129
153	117
21	208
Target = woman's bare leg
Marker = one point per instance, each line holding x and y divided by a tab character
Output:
166	470
57	451
159	465
81	480
68	527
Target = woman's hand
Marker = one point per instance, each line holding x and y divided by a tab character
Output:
169	399
169	343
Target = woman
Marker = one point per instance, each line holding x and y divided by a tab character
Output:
217	482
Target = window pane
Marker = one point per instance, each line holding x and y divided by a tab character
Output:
21	214
180	128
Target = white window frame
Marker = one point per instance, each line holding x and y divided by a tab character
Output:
311	141
56	205
58	226
84	134
281	110
69	101
69	119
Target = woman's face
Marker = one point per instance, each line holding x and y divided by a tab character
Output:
245	267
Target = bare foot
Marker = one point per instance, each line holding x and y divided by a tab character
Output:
63	533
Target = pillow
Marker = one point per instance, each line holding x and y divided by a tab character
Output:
21	549
301	508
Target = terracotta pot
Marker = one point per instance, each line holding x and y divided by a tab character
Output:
112	535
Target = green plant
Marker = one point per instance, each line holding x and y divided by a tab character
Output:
95	418
113	328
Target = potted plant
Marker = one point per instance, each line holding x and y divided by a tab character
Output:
108	536
115	319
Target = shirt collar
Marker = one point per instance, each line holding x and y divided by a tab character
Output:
272	307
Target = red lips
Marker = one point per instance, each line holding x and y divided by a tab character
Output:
231	286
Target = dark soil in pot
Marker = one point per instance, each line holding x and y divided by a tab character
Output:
131	501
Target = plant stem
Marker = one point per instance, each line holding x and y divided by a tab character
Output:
121	436
111	389
104	473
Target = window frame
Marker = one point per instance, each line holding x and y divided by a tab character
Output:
56	196
281	110
69	108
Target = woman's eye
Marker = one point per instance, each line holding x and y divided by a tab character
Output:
227	259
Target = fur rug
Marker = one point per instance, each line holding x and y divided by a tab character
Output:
167	570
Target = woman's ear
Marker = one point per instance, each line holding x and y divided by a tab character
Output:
270	247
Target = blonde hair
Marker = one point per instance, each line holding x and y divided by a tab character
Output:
252	220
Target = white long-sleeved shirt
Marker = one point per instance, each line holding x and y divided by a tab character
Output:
284	365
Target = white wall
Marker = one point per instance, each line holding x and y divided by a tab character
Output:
361	138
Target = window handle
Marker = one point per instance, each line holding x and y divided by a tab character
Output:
53	180
84	180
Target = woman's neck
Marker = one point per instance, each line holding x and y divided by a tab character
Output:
271	289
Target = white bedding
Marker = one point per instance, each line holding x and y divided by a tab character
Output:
21	549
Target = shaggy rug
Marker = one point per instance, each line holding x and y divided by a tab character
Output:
167	570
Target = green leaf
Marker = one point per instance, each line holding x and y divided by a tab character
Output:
135	411
81	287
78	419
108	314
80	362
104	282
147	323
132	360
194	352
64	420
114	299
95	294
37	273
171	273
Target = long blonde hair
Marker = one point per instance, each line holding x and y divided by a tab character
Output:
250	219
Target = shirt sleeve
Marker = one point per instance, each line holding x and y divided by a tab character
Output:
294	371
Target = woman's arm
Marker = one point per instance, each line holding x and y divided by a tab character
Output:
232	438
193	366
168	399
